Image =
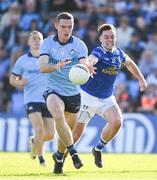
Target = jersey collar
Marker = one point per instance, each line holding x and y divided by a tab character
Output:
31	55
114	49
69	41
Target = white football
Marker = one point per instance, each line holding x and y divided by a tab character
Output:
79	74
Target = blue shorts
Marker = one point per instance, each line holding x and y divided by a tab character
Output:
72	103
37	107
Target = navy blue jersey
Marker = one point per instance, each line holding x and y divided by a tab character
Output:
108	66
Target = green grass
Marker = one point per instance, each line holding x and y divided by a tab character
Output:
18	166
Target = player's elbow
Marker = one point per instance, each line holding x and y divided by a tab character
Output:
43	64
42	68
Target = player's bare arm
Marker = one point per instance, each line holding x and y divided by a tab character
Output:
45	67
18	81
132	67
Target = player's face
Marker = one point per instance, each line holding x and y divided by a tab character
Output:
64	28
108	39
35	41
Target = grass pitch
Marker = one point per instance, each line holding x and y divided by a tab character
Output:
19	166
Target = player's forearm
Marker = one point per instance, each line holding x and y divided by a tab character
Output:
44	66
91	60
132	67
47	68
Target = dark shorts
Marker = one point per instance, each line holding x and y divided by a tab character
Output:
37	107
72	103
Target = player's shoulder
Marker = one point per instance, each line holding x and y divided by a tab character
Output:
119	51
98	49
23	57
77	40
49	38
22	60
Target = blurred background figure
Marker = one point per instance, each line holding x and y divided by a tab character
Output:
146	62
135	47
124	32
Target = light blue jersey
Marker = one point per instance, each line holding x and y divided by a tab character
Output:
28	67
73	50
108	67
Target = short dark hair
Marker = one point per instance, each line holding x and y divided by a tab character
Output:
105	27
64	15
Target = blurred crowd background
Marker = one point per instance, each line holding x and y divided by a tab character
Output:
136	23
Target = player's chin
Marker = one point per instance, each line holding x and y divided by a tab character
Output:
37	46
109	48
67	35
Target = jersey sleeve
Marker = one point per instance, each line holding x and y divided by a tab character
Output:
123	56
18	68
44	48
96	52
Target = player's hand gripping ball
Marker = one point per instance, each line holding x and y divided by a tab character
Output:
79	74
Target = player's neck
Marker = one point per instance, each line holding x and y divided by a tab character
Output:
61	40
110	50
35	53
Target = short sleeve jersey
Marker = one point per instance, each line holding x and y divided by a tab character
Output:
108	66
28	67
73	50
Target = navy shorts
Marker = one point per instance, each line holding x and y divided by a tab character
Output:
37	107
72	103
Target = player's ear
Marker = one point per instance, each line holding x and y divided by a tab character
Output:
56	25
28	42
100	38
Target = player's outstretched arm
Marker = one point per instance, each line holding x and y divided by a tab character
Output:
89	62
45	67
132	67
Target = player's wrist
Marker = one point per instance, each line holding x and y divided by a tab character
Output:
56	67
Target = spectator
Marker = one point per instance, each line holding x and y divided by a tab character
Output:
147	62
136	11
141	28
149	99
150	6
124	32
135	47
29	15
4	64
91	38
122	97
49	25
120	7
152	43
4	5
110	15
10	32
22	42
14	9
82	25
152	77
62	5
